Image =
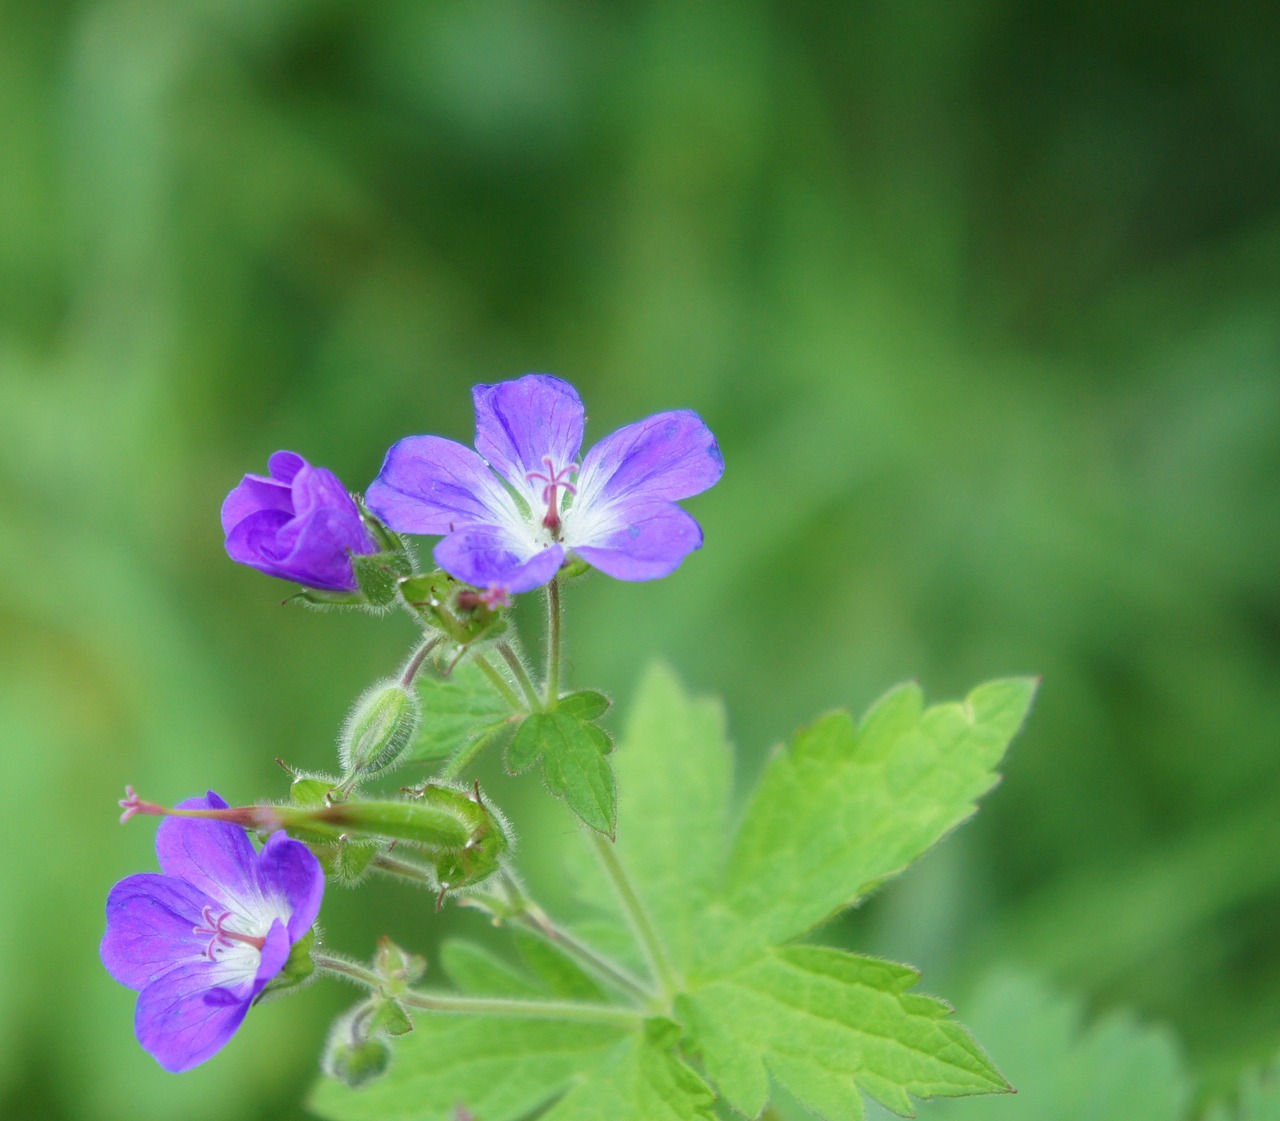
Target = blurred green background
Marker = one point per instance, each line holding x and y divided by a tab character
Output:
982	300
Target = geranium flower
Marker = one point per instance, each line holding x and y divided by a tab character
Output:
511	517
298	524
202	940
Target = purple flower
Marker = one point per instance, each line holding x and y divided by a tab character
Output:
299	524
512	516
201	941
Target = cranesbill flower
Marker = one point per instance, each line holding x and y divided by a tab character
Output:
515	507
299	524
202	940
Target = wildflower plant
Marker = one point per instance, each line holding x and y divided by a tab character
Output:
688	984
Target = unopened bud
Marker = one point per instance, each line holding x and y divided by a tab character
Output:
380	727
352	1055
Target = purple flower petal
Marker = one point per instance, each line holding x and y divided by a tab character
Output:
285	465
319	550
289	871
488	556
190	1013
649	542
521	422
151	921
432	485
252	495
668	456
213	856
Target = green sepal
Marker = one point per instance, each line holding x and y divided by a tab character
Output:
574	764
298	967
311	789
379	575
322	599
398	967
586	705
388	1017
436	597
347	859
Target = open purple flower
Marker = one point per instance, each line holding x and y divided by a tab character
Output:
299	524
202	940
512	516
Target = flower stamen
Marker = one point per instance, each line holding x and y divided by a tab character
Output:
220	936
555	479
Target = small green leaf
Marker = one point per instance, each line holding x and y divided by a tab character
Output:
825	1024
587	705
643	1080
499	1069
456	711
574	764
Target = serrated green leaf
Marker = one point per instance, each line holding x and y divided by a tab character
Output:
477	972
843	809
456	711
585	705
826	1023
574	764
643	1080
1116	1070
499	1069
1258	1099
560	975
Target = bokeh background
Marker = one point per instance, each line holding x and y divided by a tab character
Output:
982	300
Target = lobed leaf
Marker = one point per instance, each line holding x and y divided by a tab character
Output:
843	809
456	711
826	1024
575	764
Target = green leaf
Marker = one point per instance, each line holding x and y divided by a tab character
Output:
843	809
499	1069
456	711
825	1024
477	972
1116	1070
586	705
560	974
574	764
643	1080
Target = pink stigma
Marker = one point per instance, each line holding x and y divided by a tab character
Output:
555	480
220	936
132	804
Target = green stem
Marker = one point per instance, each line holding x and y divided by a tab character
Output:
537	922
461	759
414	666
499	682
512	659
553	643
483	1006
638	917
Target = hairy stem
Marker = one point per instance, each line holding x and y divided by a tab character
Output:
553	643
482	1006
415	664
663	971
512	659
499	682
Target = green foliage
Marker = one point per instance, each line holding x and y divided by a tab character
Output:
1258	1099
575	764
457	710
826	1024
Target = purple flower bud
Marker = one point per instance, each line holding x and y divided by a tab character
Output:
202	940
520	505
298	524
